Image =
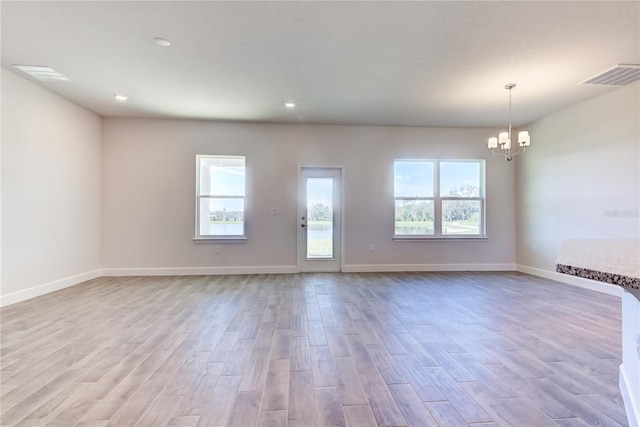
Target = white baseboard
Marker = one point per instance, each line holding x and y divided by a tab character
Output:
200	271
630	403
46	288
382	268
594	285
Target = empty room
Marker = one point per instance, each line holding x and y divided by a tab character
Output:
312	213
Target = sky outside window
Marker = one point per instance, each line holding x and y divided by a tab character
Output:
413	179
454	175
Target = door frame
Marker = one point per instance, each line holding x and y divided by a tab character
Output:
300	258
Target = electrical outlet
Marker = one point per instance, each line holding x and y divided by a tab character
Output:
218	249
274	211
370	247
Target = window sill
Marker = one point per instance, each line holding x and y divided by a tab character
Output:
219	239
439	238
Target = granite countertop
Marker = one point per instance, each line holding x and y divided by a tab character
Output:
615	261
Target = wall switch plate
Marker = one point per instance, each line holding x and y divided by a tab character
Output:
370	247
218	249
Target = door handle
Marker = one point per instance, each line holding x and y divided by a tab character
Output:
303	225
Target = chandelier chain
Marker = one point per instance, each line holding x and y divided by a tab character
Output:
510	89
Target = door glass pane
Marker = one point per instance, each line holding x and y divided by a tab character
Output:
414	217
461	217
320	218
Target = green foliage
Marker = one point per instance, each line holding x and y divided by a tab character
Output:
460	210
414	210
225	216
463	191
320	212
319	248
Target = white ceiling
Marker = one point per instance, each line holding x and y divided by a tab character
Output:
388	63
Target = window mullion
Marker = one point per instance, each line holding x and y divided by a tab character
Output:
437	204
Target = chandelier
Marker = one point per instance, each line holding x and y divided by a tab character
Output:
503	140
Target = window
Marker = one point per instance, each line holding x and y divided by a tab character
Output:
220	197
439	198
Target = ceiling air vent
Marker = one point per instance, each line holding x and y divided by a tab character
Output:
43	73
620	75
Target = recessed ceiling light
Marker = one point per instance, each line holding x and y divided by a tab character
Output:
162	42
289	105
43	73
120	97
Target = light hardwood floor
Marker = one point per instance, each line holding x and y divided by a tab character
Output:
421	349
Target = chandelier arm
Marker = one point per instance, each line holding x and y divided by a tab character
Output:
520	152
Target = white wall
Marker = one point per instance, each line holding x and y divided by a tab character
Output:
630	367
149	179
51	211
581	177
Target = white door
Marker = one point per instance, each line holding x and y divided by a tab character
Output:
319	219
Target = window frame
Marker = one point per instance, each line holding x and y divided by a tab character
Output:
199	197
438	199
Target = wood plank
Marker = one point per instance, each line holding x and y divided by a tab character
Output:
246	407
264	336
272	419
161	410
445	414
300	354
329	407
575	404
337	344
221	400
382	405
302	406
418	378
255	373
316	333
411	405
276	390
299	326
388	368
359	416
464	404
323	368
224	347
238	358
351	391
179	384
281	348
197	398
184	421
